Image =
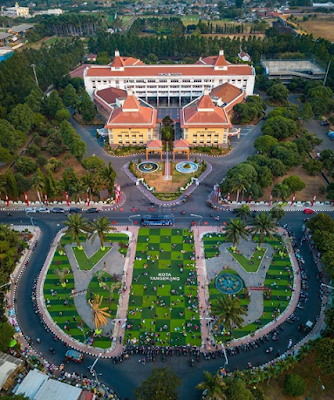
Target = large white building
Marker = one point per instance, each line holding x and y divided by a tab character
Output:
175	84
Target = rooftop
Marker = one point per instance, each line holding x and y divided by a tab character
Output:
8	364
32	383
110	95
21	28
154	144
56	390
5	35
226	92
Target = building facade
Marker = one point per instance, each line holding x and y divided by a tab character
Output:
169	85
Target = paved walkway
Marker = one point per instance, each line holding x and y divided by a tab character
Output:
111	263
204	298
119	327
252	279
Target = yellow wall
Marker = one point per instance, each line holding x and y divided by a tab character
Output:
202	136
129	136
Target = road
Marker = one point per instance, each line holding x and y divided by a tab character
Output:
126	376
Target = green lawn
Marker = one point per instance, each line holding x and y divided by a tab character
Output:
278	282
164	311
86	263
66	314
100	285
252	264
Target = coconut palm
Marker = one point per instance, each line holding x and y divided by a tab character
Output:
213	385
38	183
263	224
77	226
99	313
234	230
238	186
277	212
76	190
243	212
228	311
100	228
109	174
62	273
111	288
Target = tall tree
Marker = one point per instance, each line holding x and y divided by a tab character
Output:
87	107
213	385
70	98
243	212
228	311
38	183
263	225
110	175
77	227
162	384
100	228
235	230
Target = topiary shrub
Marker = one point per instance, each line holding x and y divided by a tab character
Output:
294	385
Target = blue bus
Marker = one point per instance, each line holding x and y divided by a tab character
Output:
157	220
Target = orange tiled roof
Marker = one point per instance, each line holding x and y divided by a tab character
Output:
226	92
110	95
154	144
131	103
157	70
182	143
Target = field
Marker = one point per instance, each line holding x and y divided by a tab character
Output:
319	27
278	283
163	305
59	298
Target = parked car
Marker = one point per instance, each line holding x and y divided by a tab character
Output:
92	210
30	210
43	210
73	210
58	210
309	211
331	135
324	122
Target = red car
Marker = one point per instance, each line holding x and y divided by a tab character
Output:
309	211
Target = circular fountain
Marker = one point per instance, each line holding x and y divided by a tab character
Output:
147	167
229	283
186	167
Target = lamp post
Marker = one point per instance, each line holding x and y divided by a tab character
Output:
33	67
315	385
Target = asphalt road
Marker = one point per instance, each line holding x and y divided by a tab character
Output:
126	376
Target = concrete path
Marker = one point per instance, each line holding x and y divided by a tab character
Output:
111	263
251	279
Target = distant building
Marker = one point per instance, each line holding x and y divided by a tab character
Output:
90	57
5	38
10	368
52	11
244	56
16	11
38	386
285	70
20	30
5	53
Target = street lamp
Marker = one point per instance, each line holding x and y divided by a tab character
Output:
315	385
32	222
33	67
330	287
91	369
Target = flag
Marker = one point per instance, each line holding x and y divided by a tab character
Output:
67	199
314	199
46	199
7	200
87	199
293	198
270	200
26	198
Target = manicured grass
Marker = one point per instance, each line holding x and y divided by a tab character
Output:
100	285
252	264
164	311
62	314
278	283
86	263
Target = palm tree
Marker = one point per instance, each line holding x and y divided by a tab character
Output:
263	225
213	385
62	273
99	313
38	183
243	212
100	228
109	174
277	212
76	189
228	311
238	186
77	226
234	230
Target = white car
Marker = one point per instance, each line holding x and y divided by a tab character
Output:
30	210
43	210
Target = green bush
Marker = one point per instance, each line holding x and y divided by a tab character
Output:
294	385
